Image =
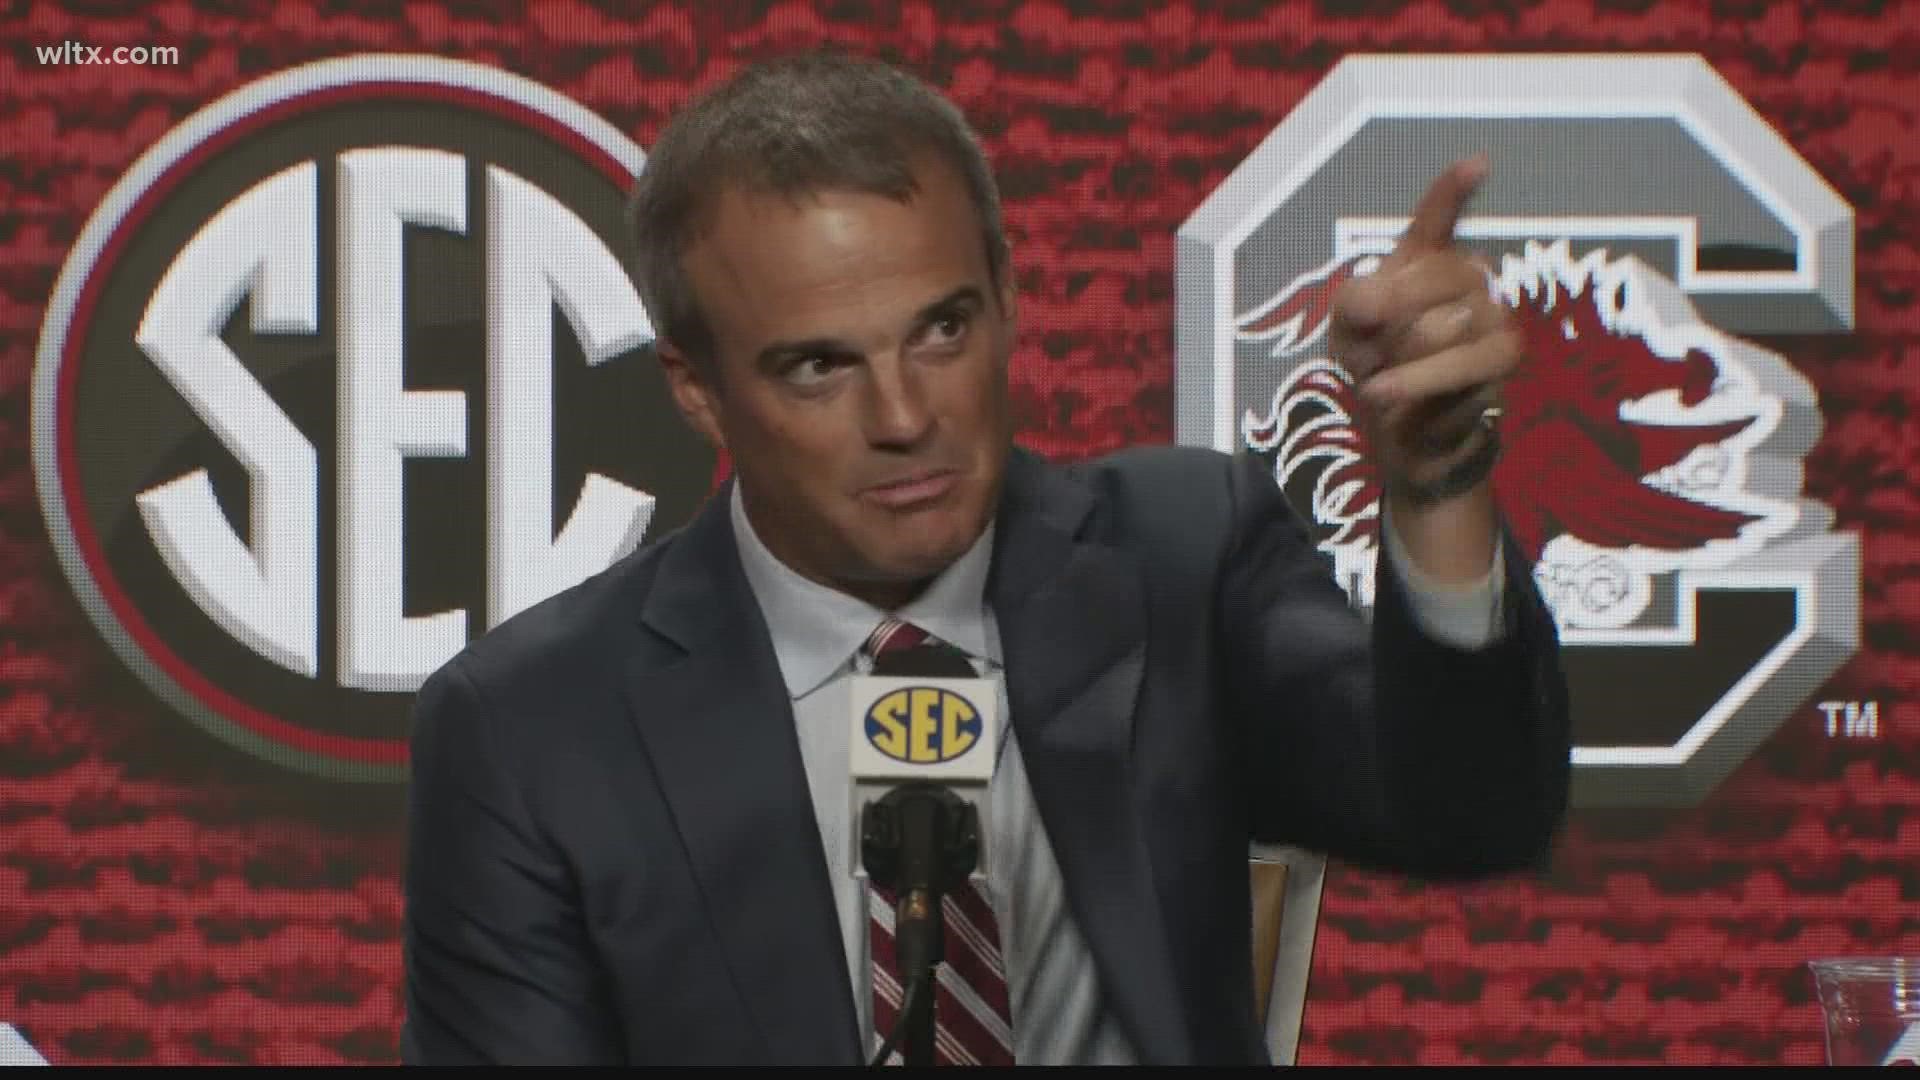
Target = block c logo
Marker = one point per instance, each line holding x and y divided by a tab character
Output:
1648	228
305	420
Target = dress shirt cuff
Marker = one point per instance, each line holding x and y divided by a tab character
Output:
1464	616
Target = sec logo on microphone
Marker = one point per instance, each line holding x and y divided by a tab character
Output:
923	725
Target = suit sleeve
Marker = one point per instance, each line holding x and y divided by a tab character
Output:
498	970
1376	742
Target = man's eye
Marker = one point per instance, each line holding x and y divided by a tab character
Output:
947	329
811	369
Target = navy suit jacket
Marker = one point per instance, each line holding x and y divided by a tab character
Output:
613	855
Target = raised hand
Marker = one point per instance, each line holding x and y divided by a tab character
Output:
1429	348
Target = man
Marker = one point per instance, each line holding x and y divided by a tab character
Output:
630	828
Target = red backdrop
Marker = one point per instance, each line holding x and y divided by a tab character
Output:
166	899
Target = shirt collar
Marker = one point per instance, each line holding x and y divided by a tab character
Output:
816	630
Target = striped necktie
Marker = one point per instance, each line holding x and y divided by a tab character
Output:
973	1022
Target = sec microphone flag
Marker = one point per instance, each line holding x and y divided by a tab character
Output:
906	728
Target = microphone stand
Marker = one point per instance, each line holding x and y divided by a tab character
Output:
919	840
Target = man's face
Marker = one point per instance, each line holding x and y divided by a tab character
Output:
859	378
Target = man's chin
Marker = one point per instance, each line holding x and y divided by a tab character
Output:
907	568
917	563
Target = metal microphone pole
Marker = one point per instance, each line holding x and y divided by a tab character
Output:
920	840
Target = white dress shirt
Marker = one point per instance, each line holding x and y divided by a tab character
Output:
1059	1017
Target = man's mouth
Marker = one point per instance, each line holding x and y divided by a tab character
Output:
926	485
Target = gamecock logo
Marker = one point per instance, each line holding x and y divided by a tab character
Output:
1629	438
1652	235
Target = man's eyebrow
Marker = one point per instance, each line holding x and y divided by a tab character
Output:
774	353
965	294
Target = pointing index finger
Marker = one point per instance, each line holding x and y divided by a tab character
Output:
1435	218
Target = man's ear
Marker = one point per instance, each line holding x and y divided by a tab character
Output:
1009	306
1008	289
693	392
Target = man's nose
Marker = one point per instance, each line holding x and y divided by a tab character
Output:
897	412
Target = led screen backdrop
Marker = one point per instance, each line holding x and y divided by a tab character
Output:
318	357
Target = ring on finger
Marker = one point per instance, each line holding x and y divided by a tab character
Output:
1454	424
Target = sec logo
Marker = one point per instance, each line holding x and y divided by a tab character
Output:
923	725
344	373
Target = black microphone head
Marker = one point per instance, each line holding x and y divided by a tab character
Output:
927	660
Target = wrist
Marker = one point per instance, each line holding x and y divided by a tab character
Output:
1451	541
1470	470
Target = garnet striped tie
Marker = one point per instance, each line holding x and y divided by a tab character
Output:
973	1022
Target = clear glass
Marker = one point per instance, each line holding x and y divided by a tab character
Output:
1872	1008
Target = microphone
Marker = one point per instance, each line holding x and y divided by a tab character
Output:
925	732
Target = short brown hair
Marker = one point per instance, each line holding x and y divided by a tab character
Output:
795	125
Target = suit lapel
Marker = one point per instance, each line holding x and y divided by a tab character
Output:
719	727
1072	619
